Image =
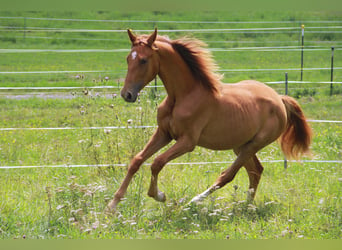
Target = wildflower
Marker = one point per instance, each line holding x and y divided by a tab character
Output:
106	78
107	131
95	225
60	207
77	211
130	121
204	210
59	189
251	207
268	203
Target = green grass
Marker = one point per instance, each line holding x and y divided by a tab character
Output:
112	64
301	202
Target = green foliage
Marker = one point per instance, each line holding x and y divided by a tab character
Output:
304	92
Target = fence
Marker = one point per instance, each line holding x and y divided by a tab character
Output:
25	30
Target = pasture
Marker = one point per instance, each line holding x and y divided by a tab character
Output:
64	152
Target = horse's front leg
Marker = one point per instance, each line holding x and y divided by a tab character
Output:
182	146
157	141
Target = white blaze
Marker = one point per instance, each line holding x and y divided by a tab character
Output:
134	55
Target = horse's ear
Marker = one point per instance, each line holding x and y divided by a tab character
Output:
132	37
152	38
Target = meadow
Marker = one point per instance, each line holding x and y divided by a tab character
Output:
74	172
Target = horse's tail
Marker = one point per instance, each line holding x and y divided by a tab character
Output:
296	139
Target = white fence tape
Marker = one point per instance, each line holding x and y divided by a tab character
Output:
102	71
240	49
170	164
126	127
172	21
148	86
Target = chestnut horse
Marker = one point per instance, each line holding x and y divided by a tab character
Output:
200	110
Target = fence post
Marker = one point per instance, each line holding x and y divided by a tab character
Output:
155	84
24	28
332	71
286	84
286	92
302	55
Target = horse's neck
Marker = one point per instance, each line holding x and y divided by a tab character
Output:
175	74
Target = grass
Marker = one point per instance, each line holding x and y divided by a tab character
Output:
301	202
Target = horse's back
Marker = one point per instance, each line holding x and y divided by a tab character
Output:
256	88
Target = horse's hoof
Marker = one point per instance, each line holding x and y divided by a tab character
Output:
160	197
111	208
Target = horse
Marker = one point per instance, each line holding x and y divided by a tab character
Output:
199	110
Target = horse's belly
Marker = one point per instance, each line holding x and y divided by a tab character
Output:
225	137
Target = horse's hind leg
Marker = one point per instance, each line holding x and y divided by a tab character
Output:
245	157
254	170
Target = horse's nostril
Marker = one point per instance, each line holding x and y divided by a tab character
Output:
128	96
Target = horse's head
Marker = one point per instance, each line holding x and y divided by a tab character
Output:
143	65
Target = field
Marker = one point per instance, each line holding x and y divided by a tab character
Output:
64	152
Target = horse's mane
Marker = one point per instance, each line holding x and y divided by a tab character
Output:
198	59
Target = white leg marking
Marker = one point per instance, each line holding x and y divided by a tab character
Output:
201	196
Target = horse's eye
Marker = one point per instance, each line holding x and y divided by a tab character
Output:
143	61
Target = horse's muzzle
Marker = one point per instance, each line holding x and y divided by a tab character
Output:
129	96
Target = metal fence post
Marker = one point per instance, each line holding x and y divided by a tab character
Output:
332	71
286	92
24	28
302	55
